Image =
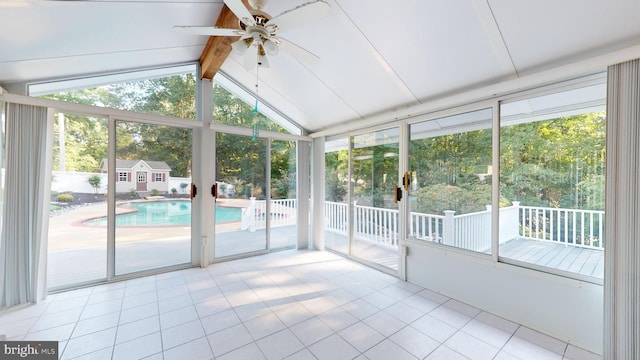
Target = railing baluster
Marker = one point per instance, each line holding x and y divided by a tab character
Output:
559	225
590	228
582	229
574	228
537	211
600	230
566	228
545	224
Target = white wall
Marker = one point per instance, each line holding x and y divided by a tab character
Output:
567	309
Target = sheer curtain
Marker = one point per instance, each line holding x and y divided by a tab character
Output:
23	249
622	228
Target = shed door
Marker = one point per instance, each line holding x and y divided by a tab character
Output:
142	181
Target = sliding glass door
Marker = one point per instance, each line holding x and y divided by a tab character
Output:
336	201
375	209
241	208
153	218
283	214
361	214
77	248
152	208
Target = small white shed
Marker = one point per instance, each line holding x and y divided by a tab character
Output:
139	175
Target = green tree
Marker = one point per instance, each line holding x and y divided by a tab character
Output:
95	181
336	175
555	163
452	172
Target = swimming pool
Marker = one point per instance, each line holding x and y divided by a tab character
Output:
164	213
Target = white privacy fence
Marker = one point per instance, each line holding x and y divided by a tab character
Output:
74	181
575	227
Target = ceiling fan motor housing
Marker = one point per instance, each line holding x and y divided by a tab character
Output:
257	30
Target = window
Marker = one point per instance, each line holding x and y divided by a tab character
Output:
142	177
233	105
336	194
157	177
170	93
450	174
123	176
552	176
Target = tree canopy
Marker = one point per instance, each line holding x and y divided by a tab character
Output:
85	138
550	163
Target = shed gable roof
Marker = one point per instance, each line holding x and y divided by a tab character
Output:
130	164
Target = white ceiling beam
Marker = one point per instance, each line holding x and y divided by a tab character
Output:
492	31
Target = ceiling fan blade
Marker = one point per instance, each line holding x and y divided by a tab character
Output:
241	11
297	51
209	31
300	15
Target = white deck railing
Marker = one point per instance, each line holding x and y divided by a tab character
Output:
574	227
377	225
283	213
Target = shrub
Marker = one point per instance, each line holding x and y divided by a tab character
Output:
154	192
95	181
65	198
256	192
174	191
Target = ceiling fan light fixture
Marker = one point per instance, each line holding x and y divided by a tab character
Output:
262	58
270	47
240	47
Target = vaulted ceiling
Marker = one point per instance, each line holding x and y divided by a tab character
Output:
377	55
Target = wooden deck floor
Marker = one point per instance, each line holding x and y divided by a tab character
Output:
589	262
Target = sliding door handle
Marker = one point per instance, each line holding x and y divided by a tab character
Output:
406	181
194	190
397	194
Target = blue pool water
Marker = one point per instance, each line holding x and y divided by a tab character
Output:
164	213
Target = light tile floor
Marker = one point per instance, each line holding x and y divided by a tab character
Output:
287	305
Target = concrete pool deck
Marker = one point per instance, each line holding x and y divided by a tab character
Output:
78	252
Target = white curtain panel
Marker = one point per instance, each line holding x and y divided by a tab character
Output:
622	226
23	250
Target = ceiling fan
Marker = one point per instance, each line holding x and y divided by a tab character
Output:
258	30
